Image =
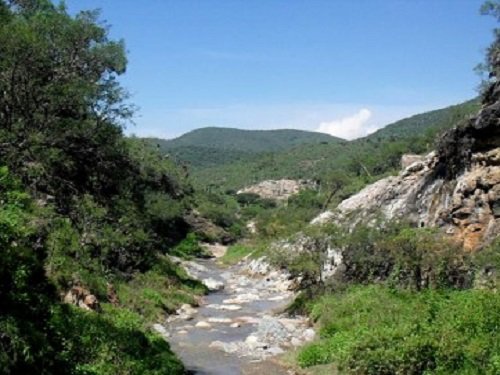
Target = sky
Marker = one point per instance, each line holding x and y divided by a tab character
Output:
342	67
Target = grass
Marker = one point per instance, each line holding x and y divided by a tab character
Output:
378	330
159	291
237	252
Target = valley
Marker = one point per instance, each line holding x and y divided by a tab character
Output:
227	251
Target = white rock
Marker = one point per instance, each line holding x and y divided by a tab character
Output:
309	334
203	324
277	298
161	330
213	285
295	341
220	320
275	350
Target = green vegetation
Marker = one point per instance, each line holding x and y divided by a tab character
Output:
377	330
235	253
364	160
82	206
402	303
212	146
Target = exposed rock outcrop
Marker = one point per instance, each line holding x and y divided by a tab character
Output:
81	297
456	188
277	189
466	207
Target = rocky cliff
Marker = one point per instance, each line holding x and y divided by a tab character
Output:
456	188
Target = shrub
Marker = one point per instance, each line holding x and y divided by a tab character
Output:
377	330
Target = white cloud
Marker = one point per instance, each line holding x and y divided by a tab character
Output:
349	127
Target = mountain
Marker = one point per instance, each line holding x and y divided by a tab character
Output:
438	119
213	146
375	155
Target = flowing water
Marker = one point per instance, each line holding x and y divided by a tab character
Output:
215	339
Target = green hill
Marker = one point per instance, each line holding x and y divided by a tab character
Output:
212	146
374	155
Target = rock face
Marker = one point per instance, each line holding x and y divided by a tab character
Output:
409	159
277	189
467	207
456	188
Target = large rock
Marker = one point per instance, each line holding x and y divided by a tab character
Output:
213	285
277	189
81	297
466	207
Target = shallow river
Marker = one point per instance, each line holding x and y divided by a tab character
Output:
214	340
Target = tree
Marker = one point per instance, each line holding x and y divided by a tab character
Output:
491	64
333	184
61	107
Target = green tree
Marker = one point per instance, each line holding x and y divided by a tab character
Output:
61	108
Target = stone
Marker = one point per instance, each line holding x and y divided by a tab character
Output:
81	297
213	285
309	334
203	324
220	320
161	330
275	350
409	159
278	189
224	307
217	250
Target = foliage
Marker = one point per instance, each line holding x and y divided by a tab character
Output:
212	146
486	264
490	67
376	330
81	204
403	256
113	342
189	247
362	160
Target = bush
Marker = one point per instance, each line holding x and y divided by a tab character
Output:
189	247
377	330
404	257
113	342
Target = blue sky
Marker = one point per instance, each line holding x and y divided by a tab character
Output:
340	66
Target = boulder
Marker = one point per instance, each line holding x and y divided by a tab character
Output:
81	297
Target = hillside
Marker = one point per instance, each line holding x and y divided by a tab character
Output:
214	146
374	155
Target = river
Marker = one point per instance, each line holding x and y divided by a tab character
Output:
240	326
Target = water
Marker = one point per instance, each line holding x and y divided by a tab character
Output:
194	348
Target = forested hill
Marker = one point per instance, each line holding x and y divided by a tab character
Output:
213	146
366	158
432	121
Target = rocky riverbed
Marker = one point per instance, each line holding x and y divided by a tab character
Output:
240	323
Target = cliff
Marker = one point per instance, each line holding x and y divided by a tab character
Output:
456	188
